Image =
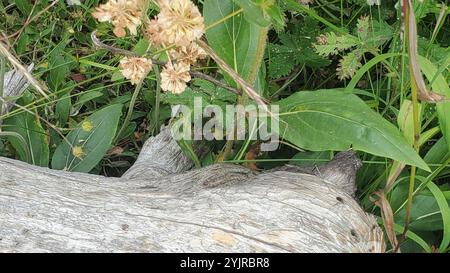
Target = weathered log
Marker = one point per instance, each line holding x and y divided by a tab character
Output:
159	206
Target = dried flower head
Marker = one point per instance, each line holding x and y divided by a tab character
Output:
155	33
135	69
174	77
188	54
181	20
122	14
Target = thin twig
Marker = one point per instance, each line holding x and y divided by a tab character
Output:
200	75
18	66
128	53
246	87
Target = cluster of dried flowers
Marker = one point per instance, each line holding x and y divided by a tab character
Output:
176	28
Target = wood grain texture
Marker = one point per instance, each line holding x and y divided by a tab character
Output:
160	206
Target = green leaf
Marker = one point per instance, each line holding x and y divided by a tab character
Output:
405	120
348	65
89	141
59	67
295	49
87	97
445	212
281	62
439	86
24	6
333	120
141	47
425	214
276	16
366	67
262	12
29	127
253	13
64	104
331	44
437	154
411	235
380	33
239	43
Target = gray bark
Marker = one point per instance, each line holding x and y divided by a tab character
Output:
158	206
161	205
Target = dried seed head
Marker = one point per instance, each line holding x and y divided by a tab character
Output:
122	14
188	54
174	77
135	69
155	33
181	20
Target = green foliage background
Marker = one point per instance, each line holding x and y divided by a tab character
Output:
337	69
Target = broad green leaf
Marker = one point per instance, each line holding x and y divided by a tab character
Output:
405	120
437	154
425	215
253	13
29	127
333	120
439	86
262	12
89	141
239	43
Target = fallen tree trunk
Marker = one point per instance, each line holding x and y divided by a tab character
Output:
160	206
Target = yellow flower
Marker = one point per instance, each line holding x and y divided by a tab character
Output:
87	126
181	20
188	54
174	77
122	14
135	68
78	152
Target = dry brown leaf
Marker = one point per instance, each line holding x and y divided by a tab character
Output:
387	215
422	91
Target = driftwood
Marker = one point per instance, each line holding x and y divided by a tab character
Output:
162	205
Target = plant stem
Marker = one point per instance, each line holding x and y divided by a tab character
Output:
154	128
299	7
2	80
130	110
218	22
416	122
